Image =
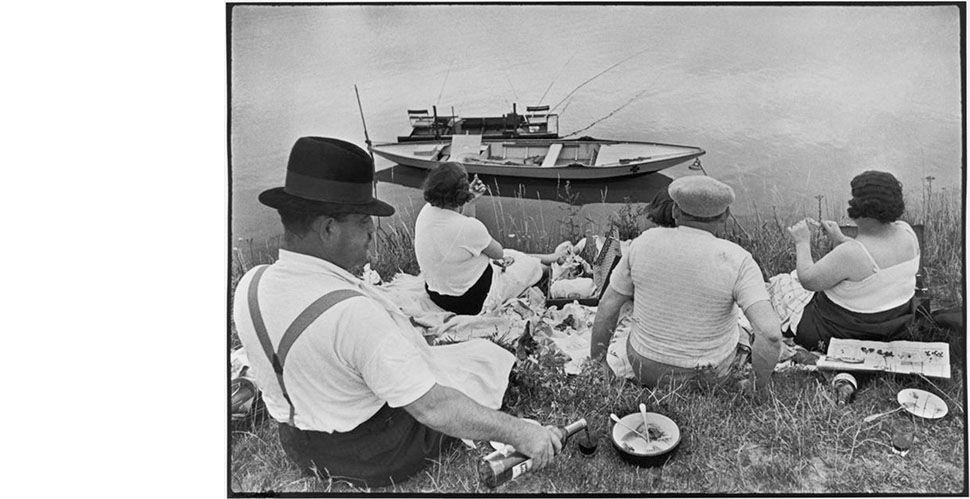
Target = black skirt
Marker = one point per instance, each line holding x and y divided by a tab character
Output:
823	319
469	303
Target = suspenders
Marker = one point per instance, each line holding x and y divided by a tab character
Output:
277	357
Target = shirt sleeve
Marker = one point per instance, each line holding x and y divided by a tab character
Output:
474	236
389	364
620	279
750	286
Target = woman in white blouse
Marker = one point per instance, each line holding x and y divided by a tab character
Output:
453	248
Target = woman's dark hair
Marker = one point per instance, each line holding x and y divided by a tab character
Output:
661	210
446	186
876	195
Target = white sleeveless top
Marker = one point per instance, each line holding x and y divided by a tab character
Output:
885	289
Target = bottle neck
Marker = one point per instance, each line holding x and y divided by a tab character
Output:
574	427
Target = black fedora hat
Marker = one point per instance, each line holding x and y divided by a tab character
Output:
327	175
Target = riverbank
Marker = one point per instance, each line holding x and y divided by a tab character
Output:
794	439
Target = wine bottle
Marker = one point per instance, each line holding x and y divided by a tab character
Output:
501	466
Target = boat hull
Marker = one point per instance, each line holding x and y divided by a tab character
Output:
407	155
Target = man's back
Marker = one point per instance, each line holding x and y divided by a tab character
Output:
341	370
685	283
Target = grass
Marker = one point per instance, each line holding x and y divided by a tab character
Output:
792	440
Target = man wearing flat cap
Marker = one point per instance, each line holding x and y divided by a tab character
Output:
686	285
357	392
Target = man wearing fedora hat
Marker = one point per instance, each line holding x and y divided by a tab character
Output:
686	285
358	393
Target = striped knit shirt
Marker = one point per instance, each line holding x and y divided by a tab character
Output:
685	283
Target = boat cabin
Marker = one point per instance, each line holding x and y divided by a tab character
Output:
537	122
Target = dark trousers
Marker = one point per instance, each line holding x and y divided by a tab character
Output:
469	303
388	448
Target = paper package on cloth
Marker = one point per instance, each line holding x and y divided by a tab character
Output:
509	282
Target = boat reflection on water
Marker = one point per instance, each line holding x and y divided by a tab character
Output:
637	189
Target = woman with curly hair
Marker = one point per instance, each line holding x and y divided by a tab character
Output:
453	248
865	286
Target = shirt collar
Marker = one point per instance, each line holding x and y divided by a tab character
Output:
300	262
694	230
446	211
309	263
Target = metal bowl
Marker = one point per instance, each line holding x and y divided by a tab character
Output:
664	439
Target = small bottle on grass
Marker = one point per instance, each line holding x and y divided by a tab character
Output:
845	386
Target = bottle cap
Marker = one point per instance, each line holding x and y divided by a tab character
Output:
845	378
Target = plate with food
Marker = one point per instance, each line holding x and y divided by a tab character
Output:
646	439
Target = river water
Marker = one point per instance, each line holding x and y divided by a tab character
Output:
790	102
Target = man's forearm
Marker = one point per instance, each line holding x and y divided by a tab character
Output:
599	341
764	356
604	324
453	413
767	341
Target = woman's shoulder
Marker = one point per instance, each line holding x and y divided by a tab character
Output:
851	251
905	227
907	235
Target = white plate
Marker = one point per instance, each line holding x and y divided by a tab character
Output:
922	403
506	448
664	429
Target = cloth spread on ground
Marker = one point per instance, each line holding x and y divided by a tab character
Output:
788	298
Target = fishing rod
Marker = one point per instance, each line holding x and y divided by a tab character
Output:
440	92
587	127
377	247
601	73
553	82
361	109
610	114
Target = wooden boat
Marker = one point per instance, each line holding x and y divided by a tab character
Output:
536	123
565	159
